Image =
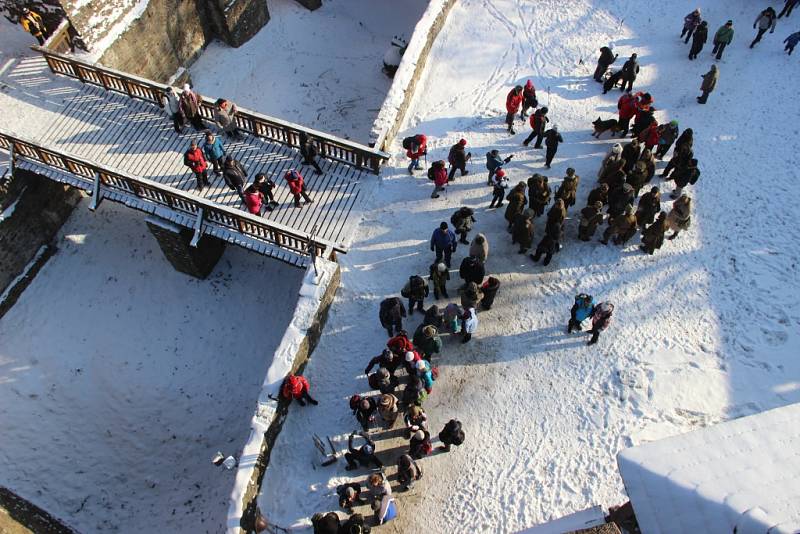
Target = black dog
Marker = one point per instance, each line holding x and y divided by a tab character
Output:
601	126
612	81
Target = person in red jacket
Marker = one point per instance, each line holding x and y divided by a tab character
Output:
193	158
627	106
254	199
415	151
538	122
297	187
296	387
513	102
440	178
649	136
528	99
400	344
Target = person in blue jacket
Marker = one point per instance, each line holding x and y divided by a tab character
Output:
791	42
425	374
443	241
214	152
494	162
584	304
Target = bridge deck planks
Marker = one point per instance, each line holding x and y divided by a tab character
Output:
137	137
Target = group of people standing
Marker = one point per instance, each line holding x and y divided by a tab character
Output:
258	196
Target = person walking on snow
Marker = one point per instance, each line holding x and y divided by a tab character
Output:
190	105
309	152
32	23
479	248
607	57
443	242
551	140
568	189
499	188
416	147
723	38
667	133
296	387
193	158
791	42
451	434
266	187
765	20
649	206
690	24
630	70
471	270
680	217
458	158
709	83
698	40
591	218
462	221
627	105
172	105
214	151
513	103
581	310
438	173
364	410
494	164
601	318
653	235
415	290
787	8
391	314
529	100
439	275
297	187
538	122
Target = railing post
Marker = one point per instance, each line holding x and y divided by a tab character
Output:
198	228
96	198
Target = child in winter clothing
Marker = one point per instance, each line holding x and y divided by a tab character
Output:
420	444
601	318
582	309
499	185
452	318
470	319
494	162
424	372
296	387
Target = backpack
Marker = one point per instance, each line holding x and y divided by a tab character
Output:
410	142
431	174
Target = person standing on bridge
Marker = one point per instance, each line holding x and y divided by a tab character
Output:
297	187
172	104
190	105
32	22
225	117
309	152
193	158
214	151
235	175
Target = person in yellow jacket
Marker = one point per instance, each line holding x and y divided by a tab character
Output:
32	22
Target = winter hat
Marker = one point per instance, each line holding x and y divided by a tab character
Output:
729	23
617	148
421	365
419	435
654	190
462	142
674	123
386	400
409	356
186	87
555	127
350	492
428	331
529	84
441	267
570	171
368	449
598	205
704	23
364	405
443	226
500	173
517	88
544	110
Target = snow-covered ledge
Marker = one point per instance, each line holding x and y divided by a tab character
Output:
299	341
401	92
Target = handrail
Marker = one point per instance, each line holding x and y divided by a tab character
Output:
167	196
330	146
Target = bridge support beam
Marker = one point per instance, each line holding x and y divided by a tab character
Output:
176	244
310	4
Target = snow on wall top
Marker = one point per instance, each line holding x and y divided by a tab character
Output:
742	474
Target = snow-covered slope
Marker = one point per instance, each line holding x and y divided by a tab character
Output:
705	330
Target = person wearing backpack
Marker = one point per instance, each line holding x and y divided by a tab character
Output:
601	318
451	434
529	100
438	173
296	387
391	314
581	310
415	290
462	221
443	241
416	147
457	158
494	163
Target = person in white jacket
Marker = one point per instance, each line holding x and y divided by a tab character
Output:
470	325
172	106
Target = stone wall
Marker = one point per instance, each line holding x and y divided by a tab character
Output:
197	261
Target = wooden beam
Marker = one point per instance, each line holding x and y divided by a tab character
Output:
96	198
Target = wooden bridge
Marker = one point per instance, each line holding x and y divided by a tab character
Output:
113	139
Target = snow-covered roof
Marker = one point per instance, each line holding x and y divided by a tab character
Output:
743	474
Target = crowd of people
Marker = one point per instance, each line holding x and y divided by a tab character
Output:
258	197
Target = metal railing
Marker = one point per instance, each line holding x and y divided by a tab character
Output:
88	174
331	147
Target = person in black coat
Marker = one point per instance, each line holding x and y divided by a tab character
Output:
451	434
607	57
364	455
349	496
619	198
551	140
546	246
699	39
458	158
365	412
391	314
472	270
631	154
387	360
309	152
235	175
629	72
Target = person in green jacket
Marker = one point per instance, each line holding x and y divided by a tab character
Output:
723	38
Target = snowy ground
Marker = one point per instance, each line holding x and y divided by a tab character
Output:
706	330
120	377
321	69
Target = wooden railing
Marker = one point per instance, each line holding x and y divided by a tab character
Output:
331	147
170	197
60	40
